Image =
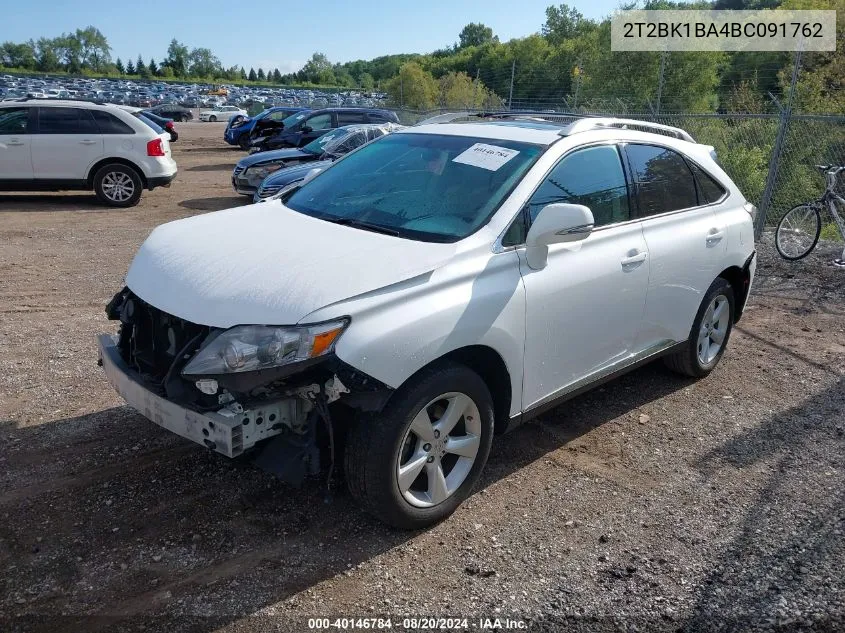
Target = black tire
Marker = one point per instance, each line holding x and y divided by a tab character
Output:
212	119
185	118
373	449
688	361
816	232
243	142
108	176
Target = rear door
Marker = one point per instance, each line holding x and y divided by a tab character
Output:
67	142
15	143
685	238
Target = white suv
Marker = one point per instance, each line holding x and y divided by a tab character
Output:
77	145
427	290
221	113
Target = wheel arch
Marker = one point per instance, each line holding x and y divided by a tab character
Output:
739	279
89	180
491	367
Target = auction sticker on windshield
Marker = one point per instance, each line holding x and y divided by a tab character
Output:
486	156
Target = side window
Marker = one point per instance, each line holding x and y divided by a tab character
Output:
279	115
662	178
593	177
378	117
107	123
350	118
14	120
320	122
65	121
709	190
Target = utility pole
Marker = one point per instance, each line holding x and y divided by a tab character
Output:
401	90
510	95
477	83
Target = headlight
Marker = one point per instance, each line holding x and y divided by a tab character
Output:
264	169
252	347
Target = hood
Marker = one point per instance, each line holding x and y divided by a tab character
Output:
266	264
276	154
289	174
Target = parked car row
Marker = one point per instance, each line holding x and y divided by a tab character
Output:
54	145
263	174
151	94
436	286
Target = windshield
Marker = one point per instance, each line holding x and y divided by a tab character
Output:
293	119
419	186
327	141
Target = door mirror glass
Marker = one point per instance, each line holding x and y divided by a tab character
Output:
555	224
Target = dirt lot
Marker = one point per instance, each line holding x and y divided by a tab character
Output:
654	503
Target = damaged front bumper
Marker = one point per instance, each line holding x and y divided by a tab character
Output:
229	431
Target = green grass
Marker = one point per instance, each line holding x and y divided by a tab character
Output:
830	232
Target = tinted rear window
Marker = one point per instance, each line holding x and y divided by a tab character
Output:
709	190
110	124
664	182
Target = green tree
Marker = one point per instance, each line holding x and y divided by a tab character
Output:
153	67
252	76
141	68
261	75
177	58
46	58
120	67
94	49
459	90
203	63
166	72
130	68
366	81
475	34
563	23
277	76
413	88
317	70
243	74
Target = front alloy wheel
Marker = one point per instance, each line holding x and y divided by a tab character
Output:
439	450
414	463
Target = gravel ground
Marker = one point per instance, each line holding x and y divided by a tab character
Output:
654	503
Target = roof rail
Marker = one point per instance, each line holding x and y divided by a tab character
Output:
551	117
584	125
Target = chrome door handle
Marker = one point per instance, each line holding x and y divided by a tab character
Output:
714	237
87	142
634	259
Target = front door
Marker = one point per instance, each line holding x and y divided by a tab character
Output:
15	144
583	310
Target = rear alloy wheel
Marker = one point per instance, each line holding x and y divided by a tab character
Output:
212	119
710	332
415	462
118	185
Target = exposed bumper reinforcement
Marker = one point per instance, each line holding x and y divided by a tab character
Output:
225	432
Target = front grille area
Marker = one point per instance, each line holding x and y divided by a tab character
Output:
269	190
238	169
156	345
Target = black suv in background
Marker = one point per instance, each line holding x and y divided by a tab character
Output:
303	127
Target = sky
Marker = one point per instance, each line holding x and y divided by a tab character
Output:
271	34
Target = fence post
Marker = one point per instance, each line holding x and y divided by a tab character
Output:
777	150
660	79
510	94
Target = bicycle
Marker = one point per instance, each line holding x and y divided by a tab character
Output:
799	230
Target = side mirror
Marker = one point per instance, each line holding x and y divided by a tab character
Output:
556	224
306	129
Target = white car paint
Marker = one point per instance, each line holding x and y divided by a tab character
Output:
72	156
221	113
615	297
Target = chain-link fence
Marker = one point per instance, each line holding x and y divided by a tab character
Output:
769	123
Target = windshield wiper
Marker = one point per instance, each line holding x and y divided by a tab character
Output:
366	226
